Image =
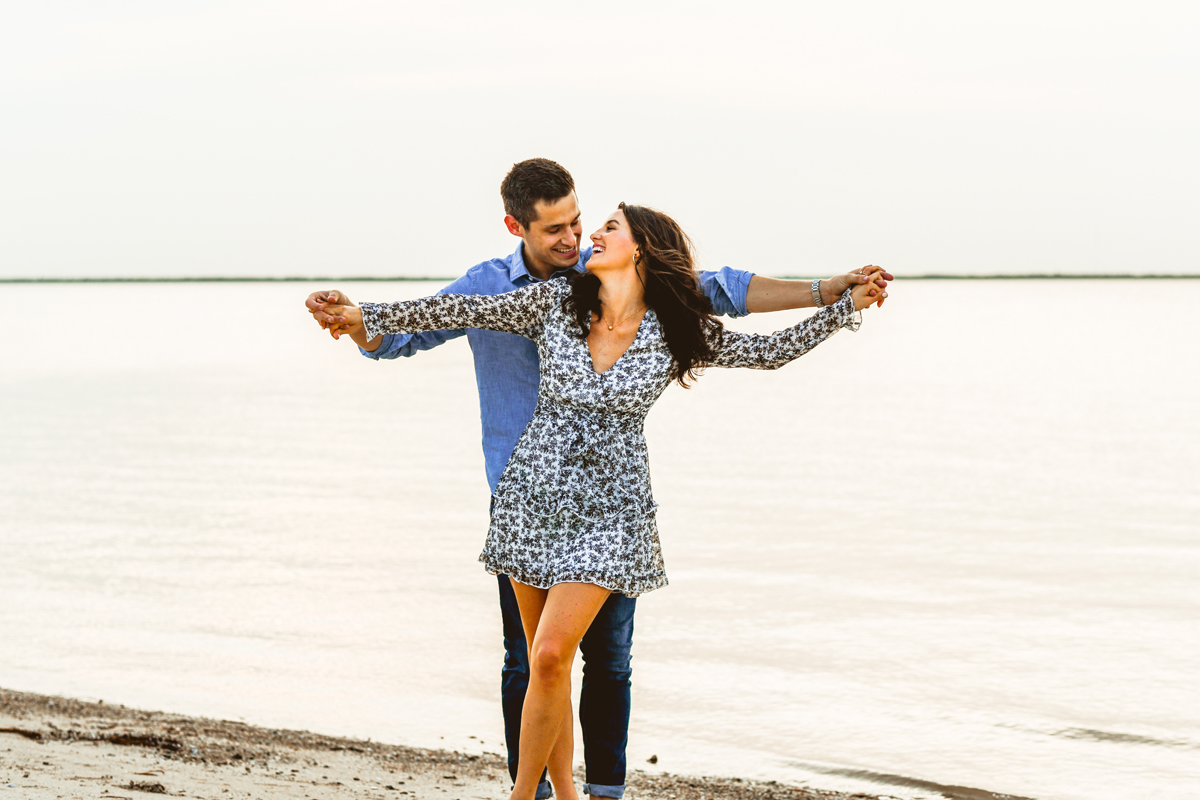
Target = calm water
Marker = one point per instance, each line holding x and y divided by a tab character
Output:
960	547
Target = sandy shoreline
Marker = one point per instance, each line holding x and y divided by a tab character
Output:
55	747
58	748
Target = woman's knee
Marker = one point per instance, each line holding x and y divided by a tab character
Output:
551	660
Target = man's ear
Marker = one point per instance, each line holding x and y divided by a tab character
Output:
514	227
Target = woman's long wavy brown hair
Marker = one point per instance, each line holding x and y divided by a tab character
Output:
672	290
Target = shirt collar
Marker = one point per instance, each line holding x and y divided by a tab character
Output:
518	271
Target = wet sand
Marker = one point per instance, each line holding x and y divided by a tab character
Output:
55	747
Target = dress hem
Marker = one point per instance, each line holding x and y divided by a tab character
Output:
545	581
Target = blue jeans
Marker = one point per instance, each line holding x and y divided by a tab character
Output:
603	699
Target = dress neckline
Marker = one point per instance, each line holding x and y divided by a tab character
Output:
636	336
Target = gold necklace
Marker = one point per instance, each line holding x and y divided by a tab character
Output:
631	316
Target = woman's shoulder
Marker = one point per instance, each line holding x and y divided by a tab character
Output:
558	286
557	290
549	297
539	292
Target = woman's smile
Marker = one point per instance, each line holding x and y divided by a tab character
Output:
614	235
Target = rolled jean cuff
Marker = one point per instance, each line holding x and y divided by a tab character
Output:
603	791
544	790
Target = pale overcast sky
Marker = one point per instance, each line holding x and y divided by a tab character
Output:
370	138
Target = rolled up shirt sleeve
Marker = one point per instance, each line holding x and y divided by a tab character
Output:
726	288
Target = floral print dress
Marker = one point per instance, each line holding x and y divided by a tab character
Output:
574	503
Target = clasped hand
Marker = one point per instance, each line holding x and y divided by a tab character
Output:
334	312
867	285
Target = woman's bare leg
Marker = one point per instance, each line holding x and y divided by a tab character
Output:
555	620
531	600
561	762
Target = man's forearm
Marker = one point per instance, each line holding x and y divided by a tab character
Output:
773	294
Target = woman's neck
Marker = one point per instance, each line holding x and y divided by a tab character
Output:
621	294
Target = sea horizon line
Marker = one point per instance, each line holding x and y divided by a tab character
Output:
403	278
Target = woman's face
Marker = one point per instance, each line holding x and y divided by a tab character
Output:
612	246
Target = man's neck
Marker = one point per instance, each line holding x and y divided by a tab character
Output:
535	269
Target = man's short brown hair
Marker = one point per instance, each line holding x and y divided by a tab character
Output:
533	181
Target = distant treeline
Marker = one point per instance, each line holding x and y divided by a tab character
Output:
368	278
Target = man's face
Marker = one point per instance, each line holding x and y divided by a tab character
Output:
552	239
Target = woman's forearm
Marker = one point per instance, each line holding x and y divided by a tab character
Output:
511	312
360	338
756	351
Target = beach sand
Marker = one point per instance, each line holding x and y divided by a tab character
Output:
55	747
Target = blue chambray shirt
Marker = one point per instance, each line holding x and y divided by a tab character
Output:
506	365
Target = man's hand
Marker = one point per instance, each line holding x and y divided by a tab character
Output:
832	288
318	303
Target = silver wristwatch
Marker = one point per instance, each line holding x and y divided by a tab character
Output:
816	287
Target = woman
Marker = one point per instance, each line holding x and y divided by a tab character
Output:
573	515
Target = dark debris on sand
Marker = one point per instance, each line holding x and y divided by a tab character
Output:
197	739
680	787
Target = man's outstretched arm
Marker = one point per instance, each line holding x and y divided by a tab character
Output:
775	294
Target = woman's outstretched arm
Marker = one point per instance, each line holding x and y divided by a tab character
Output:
757	351
520	312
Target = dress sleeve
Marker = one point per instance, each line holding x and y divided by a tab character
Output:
521	312
395	345
757	351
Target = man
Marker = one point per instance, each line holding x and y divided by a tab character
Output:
542	210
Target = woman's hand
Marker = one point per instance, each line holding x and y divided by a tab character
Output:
345	320
868	292
317	301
